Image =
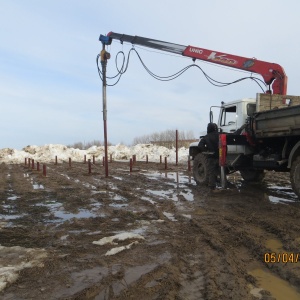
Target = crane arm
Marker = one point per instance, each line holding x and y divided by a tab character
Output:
273	74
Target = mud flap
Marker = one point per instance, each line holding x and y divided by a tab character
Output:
223	178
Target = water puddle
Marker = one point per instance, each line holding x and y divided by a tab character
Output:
117	205
178	182
131	275
10	216
58	212
274	245
185	194
82	214
281	194
280	289
177	177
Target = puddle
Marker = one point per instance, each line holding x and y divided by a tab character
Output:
10	217
179	183
82	214
81	280
281	194
178	177
279	288
274	245
117	205
131	275
171	195
58	211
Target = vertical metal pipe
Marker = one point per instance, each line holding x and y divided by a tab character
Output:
146	158
166	163
90	166
37	166
70	162
29	162
104	63
32	164
160	159
93	159
44	170
130	165
56	159
84	159
176	147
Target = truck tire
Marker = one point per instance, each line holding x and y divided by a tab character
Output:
295	176
200	170
252	175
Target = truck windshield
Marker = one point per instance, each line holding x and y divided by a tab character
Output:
228	116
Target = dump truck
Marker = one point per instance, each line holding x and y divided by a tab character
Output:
271	138
270	141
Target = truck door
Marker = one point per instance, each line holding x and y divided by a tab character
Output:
228	123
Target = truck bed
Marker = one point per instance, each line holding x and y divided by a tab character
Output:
277	122
283	119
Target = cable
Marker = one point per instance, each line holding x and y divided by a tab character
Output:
124	67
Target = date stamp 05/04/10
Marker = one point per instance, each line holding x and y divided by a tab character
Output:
284	257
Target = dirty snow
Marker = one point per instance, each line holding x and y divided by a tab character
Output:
119	237
48	152
116	250
14	259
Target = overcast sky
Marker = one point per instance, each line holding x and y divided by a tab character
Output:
50	91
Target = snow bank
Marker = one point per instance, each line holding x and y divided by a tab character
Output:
47	153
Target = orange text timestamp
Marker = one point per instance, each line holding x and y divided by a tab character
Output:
283	257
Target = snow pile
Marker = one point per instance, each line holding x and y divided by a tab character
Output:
47	153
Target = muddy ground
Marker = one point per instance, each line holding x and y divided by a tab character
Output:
182	242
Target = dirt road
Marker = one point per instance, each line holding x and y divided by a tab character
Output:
150	234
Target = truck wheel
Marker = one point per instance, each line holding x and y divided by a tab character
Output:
252	175
295	176
200	169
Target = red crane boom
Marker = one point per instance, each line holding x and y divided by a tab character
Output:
273	74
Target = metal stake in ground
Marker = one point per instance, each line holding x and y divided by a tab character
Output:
176	147
104	57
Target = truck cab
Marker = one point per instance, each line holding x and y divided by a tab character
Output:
231	117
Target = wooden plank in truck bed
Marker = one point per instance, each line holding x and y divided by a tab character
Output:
268	101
